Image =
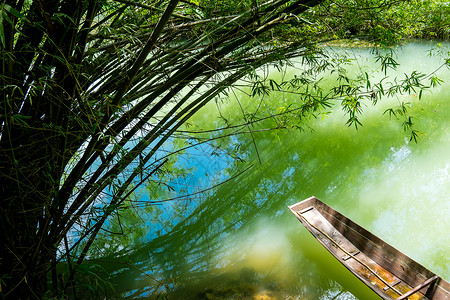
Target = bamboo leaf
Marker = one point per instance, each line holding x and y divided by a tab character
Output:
14	12
2	31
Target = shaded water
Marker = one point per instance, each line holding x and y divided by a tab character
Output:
241	242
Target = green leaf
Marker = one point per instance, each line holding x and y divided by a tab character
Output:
20	119
435	81
391	112
2	31
14	12
367	81
415	135
353	121
60	16
4	8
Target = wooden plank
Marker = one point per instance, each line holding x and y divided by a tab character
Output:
384	269
419	287
363	267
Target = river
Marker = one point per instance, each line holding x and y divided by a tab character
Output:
241	242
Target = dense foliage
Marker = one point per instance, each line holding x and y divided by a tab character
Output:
389	22
91	91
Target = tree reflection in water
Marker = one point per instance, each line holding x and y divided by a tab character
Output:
239	241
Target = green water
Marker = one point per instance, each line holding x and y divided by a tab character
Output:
241	242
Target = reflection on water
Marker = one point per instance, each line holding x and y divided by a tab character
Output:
242	242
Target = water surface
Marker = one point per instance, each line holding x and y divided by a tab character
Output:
241	242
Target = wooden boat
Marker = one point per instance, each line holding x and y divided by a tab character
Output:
388	272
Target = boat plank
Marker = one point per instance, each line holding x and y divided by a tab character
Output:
387	271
